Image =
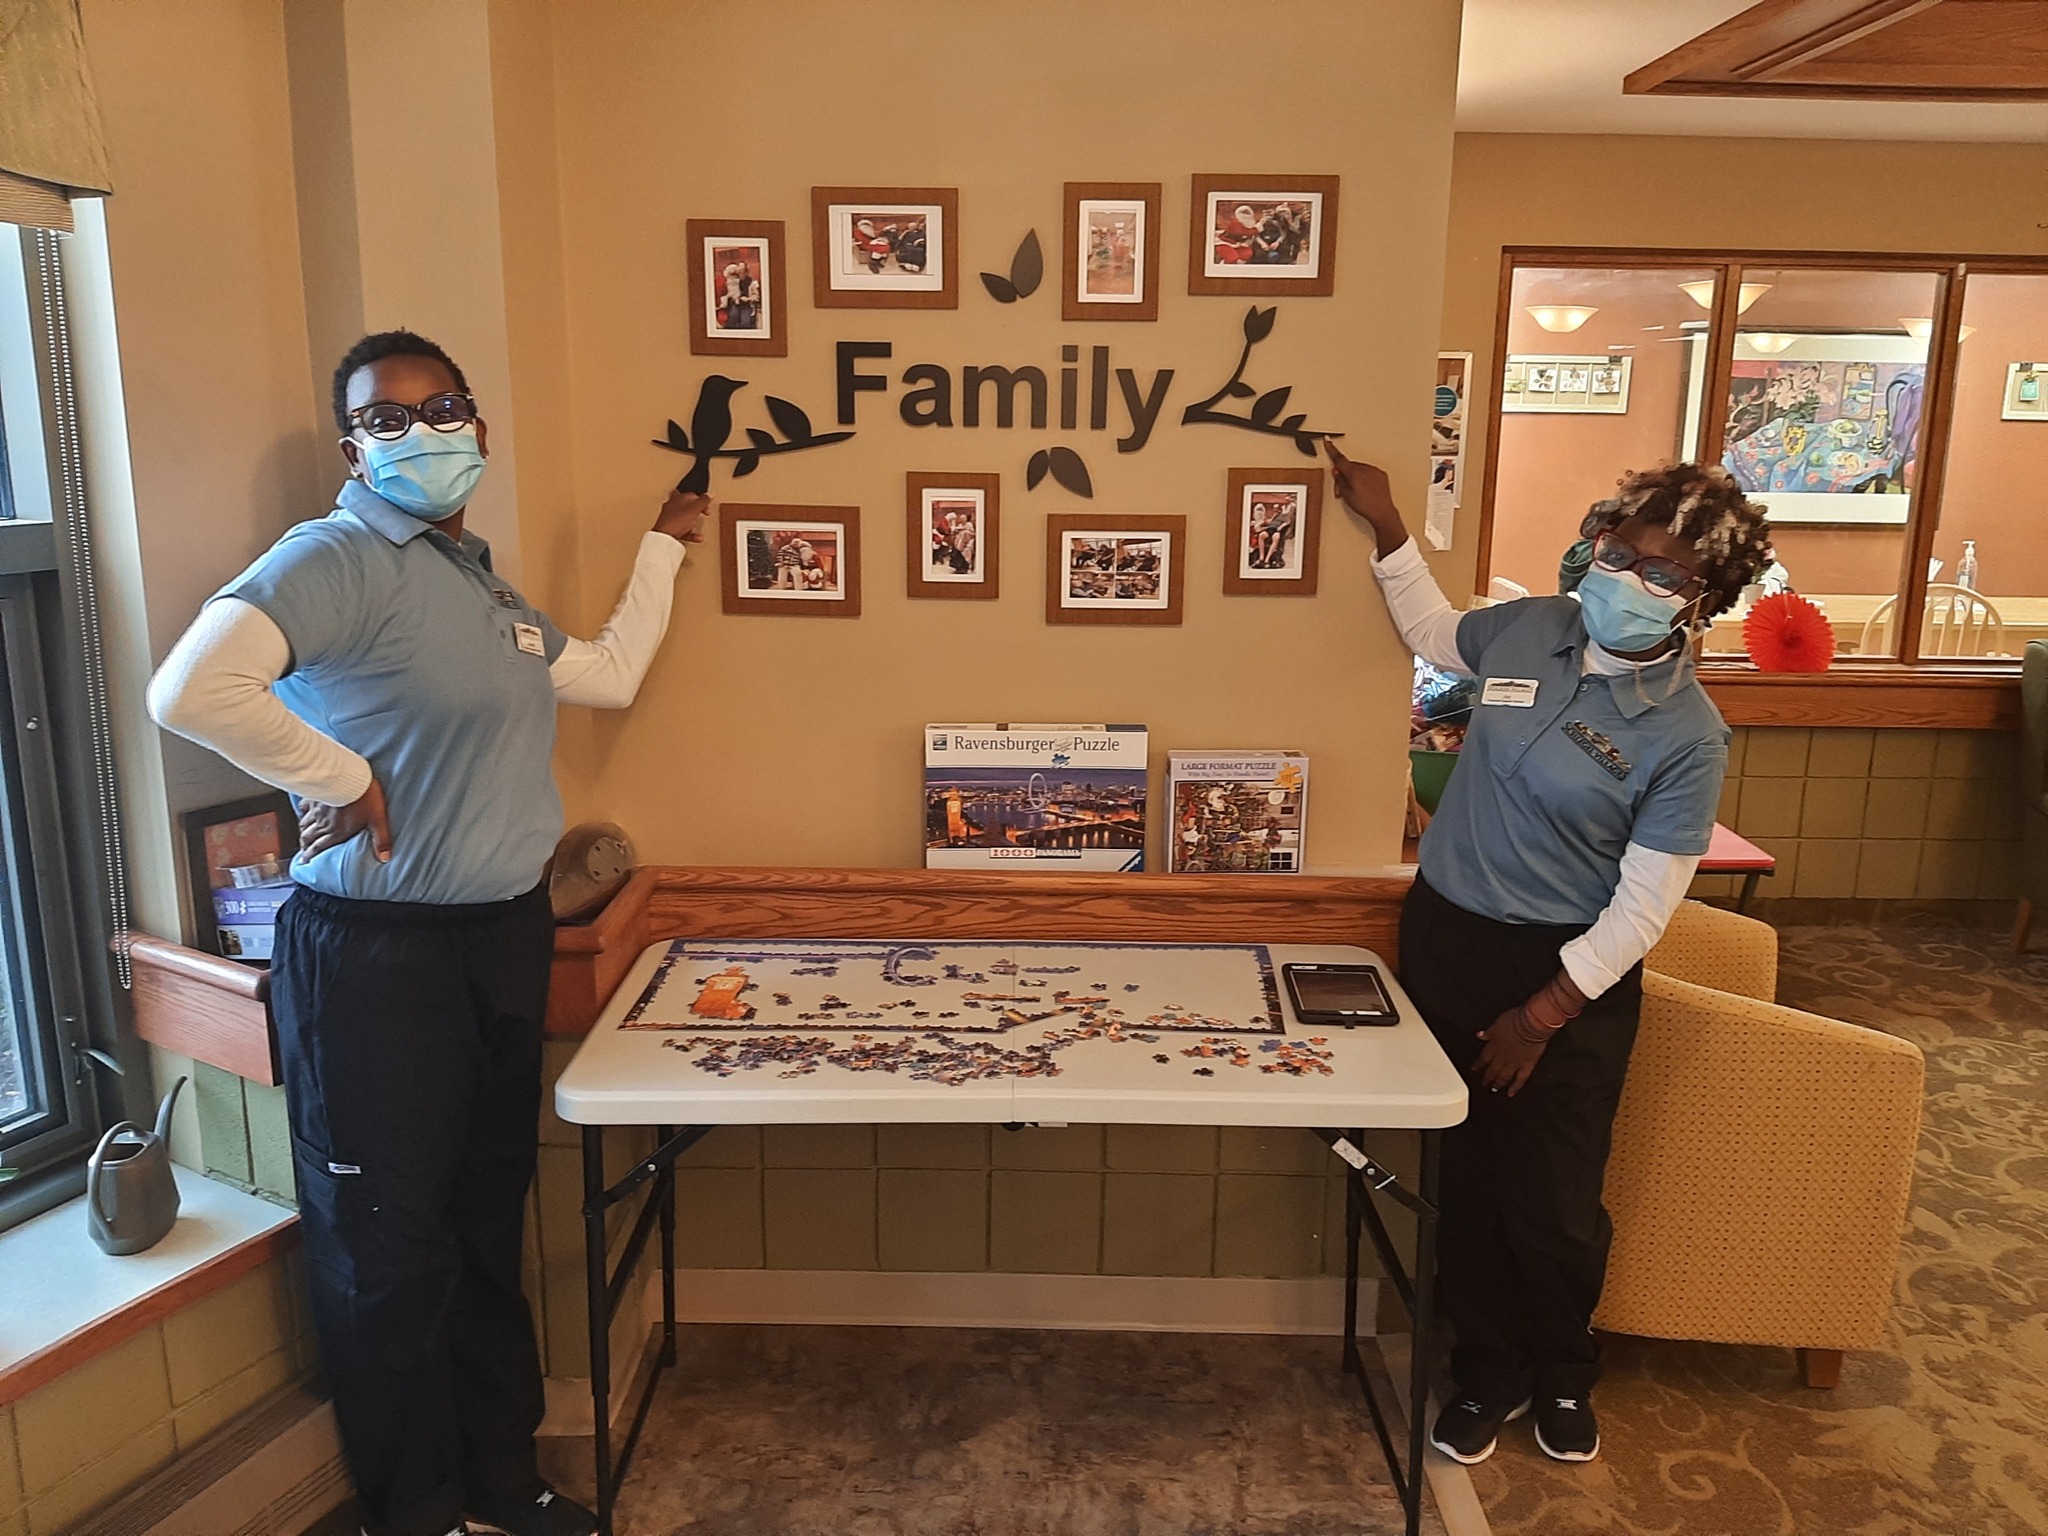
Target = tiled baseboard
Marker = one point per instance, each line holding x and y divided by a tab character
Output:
1793	911
1145	1303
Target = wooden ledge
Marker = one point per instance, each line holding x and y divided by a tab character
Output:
663	902
203	1006
1962	698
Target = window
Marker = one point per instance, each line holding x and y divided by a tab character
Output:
55	1002
1890	412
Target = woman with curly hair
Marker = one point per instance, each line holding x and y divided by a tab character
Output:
1584	797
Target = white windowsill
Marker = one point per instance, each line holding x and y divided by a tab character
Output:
58	1284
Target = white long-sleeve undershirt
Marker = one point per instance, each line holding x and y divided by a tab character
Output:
1651	885
215	686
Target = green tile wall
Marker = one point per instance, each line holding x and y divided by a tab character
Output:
1892	814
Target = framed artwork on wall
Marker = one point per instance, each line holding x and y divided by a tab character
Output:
238	862
795	562
1111	266
1566	386
951	535
885	247
1273	529
738	301
1263	236
1106	569
1826	430
2026	392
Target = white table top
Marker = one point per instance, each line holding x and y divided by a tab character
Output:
1381	1077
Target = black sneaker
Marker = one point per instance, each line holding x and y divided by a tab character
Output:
1468	1429
1565	1429
537	1511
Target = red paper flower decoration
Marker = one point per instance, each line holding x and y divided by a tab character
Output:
1787	633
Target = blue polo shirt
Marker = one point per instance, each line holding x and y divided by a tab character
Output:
406	648
1562	769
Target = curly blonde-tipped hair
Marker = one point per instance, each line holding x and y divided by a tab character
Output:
1702	504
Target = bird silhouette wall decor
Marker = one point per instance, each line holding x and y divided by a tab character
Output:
711	426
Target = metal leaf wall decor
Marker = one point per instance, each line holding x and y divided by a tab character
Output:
1027	271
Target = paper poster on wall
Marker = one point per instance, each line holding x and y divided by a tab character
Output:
1828	429
1447	447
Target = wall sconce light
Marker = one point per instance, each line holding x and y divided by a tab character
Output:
1921	327
1561	317
1768	341
1702	294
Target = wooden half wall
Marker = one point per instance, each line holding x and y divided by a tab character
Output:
217	1011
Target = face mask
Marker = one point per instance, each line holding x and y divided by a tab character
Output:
426	473
1622	616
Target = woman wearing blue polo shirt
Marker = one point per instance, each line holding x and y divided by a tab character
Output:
373	664
1584	797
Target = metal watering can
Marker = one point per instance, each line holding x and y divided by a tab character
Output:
131	1196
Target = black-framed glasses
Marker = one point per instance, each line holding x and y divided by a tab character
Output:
1666	578
389	419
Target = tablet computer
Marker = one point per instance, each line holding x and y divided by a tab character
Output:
1339	994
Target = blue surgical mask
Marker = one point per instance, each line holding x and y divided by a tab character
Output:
1621	615
426	473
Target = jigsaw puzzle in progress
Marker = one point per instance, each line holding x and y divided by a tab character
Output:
909	1004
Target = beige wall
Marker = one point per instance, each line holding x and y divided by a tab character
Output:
1539	189
769	740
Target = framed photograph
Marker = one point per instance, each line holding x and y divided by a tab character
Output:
238	860
799	562
1273	530
951	535
1112	251
737	306
2026	392
1571	386
1264	236
885	247
1826	430
1114	570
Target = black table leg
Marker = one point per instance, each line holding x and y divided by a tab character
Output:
1748	890
1362	1179
609	1285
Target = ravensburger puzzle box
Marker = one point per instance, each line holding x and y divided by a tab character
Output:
1034	796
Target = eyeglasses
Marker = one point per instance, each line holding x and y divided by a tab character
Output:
389	419
1666	578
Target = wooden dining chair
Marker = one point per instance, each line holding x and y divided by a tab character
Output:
1956	622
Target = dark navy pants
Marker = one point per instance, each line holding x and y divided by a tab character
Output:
411	1043
1522	1245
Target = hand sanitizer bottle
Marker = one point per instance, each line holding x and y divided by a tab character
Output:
1966	568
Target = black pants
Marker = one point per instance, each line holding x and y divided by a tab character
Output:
1522	1246
410	1037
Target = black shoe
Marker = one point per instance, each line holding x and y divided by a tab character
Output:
1566	1430
1468	1429
535	1511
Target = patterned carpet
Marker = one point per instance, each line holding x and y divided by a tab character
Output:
1944	1430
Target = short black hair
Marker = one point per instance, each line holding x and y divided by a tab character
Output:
1702	504
377	346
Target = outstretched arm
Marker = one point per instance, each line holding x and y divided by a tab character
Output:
1427	622
605	672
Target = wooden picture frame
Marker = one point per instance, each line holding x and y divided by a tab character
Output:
835	288
1063	607
922	577
1144	198
1206	276
248	836
1300	554
747	536
763	235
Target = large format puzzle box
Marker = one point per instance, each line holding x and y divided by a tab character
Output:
1016	796
1236	812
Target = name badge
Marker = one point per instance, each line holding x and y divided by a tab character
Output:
527	637
1515	692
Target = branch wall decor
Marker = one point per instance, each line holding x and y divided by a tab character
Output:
1264	414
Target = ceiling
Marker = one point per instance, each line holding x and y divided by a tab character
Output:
1556	66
